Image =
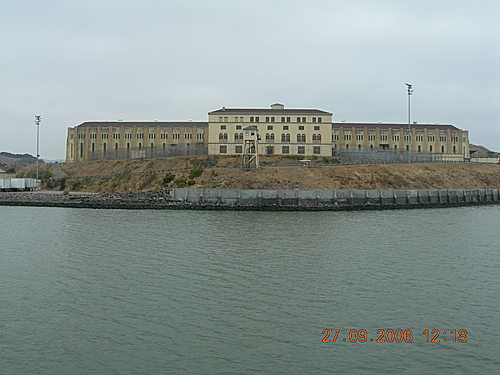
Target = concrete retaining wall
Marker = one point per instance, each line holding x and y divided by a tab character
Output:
331	199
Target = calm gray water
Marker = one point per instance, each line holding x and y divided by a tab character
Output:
87	291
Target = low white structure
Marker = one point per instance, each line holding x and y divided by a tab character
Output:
18	184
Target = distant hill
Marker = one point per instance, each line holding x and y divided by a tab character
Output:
477	151
16	160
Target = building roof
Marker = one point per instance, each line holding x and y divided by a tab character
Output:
385	125
259	111
139	124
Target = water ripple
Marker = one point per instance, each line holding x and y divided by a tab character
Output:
115	291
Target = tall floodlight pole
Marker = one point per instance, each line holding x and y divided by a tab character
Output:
410	92
37	123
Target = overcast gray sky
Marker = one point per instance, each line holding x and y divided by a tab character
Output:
72	61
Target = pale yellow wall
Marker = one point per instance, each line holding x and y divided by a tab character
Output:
351	138
234	125
134	136
330	138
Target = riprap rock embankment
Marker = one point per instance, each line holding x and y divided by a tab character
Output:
257	199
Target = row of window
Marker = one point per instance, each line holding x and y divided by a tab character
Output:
199	136
270	150
419	148
270	137
268	119
140	136
271	127
395	138
152	146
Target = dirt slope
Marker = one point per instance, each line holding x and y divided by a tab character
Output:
136	175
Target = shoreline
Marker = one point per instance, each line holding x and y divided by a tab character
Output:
257	200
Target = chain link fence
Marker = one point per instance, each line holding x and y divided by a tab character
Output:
389	156
149	153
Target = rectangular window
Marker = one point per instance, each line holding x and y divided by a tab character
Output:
223	126
301	150
269	127
317	150
269	150
272	119
316	127
220	118
298	119
319	119
238	149
285	149
238	127
303	119
223	149
314	119
301	127
285	127
288	119
251	119
225	118
267	119
282	119
257	119
241	119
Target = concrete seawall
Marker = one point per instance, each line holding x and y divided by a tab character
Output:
330	199
232	199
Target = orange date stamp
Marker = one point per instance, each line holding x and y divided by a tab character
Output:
395	335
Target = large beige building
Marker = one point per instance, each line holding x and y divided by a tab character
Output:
446	140
135	140
282	131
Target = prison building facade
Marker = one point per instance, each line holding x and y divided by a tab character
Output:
135	140
281	131
445	140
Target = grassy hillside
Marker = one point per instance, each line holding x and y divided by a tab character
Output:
16	160
137	175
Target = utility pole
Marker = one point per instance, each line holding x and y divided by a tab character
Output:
410	92
37	123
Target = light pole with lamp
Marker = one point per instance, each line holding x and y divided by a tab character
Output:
37	123
410	92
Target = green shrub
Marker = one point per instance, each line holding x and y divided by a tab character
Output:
295	157
169	177
44	175
197	172
191	182
11	170
180	181
328	160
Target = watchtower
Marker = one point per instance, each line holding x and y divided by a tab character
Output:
250	157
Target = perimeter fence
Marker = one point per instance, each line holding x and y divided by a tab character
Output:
149	152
